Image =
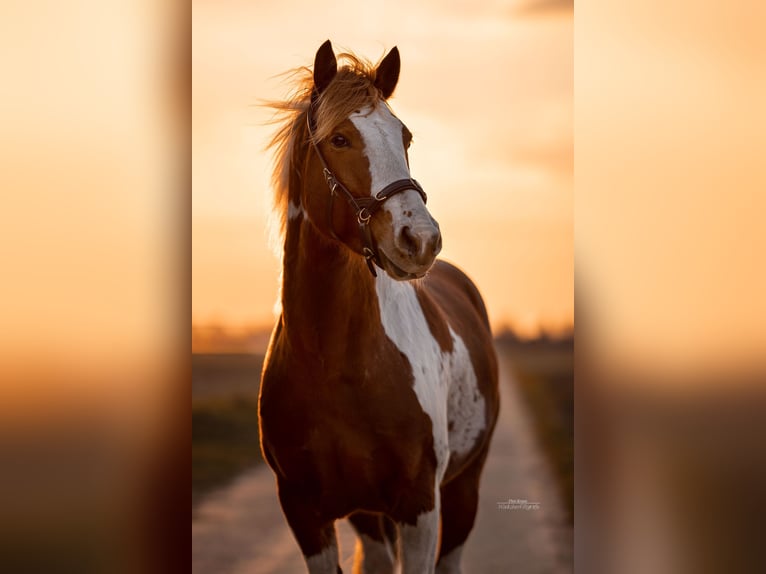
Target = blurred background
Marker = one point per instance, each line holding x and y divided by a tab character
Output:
671	349
94	176
96	263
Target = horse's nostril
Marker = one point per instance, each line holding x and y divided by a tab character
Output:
408	242
420	244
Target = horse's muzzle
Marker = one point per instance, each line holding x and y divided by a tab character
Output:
419	245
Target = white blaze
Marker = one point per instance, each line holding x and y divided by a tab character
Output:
381	132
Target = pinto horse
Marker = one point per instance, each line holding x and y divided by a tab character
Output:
379	390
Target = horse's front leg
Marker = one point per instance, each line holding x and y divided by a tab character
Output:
315	535
419	541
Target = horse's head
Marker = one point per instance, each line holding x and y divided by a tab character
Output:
359	186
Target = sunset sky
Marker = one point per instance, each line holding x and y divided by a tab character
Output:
486	90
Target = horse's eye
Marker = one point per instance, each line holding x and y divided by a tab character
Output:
339	141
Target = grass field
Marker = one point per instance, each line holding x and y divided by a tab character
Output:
224	419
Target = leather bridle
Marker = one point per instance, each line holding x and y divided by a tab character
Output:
364	207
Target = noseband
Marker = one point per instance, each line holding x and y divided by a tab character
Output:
364	207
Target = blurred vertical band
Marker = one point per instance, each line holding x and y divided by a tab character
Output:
670	196
94	296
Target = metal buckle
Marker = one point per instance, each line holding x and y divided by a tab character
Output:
329	178
363	215
369	257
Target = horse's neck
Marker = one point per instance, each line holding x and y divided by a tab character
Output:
329	302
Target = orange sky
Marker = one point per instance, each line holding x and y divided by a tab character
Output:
486	90
671	133
670	126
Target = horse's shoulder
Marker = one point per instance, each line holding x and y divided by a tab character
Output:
452	288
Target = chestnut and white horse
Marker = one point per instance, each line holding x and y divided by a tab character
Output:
379	391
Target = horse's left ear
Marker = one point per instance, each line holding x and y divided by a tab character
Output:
325	67
387	73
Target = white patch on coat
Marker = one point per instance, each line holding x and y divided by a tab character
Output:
445	383
405	324
466	408
419	542
324	562
381	132
450	563
377	556
294	210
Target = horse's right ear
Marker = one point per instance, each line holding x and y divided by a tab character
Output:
325	67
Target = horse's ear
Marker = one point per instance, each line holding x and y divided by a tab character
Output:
387	73
325	66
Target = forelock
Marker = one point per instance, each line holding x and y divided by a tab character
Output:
352	89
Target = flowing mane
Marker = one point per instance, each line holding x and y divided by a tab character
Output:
351	89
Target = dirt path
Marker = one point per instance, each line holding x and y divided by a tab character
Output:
241	530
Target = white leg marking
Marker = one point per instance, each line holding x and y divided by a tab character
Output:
418	543
325	562
377	557
450	564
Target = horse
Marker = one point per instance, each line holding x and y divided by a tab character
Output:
379	393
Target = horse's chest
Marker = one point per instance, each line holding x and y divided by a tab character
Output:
355	443
444	379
